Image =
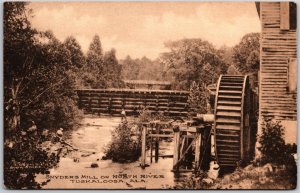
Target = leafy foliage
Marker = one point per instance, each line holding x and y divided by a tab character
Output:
123	147
246	53
273	147
142	69
24	158
232	70
77	57
19	42
192	60
130	68
112	70
198	98
39	86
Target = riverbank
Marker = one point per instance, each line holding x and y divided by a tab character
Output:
267	177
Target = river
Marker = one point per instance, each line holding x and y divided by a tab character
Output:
74	171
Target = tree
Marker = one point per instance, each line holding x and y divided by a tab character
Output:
246	53
36	70
95	53
192	60
226	53
112	70
142	69
19	46
93	72
232	70
77	57
150	69
51	96
130	68
38	90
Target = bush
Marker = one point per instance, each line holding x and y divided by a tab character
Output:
126	144
124	147
273	147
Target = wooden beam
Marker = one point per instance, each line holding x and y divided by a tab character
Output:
176	141
156	150
197	150
161	135
143	157
151	143
182	147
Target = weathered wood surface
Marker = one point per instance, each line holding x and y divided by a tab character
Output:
278	47
112	101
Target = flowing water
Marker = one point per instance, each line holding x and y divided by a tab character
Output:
74	171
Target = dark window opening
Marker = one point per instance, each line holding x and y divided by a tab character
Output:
293	15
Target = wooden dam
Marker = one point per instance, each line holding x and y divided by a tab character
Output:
112	101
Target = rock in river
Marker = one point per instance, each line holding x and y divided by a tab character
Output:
94	165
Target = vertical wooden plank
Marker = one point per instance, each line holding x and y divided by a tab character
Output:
151	141
198	139
157	126
284	16
183	146
176	145
143	157
156	150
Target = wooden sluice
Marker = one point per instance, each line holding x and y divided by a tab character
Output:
191	144
112	101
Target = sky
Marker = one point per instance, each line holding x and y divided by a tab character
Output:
140	28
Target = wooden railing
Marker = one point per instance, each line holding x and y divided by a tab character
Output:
112	101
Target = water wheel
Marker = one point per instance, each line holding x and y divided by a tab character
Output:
231	125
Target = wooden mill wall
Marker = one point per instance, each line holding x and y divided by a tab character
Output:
111	101
277	48
278	68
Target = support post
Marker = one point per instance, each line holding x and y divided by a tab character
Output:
156	143
198	139
151	143
143	160
176	146
156	150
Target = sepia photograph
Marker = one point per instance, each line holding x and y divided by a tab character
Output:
150	95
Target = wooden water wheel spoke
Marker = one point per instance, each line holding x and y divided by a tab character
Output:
230	119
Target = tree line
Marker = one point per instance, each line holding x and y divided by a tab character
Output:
195	60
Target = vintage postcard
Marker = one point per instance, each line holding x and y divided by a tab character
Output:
150	95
